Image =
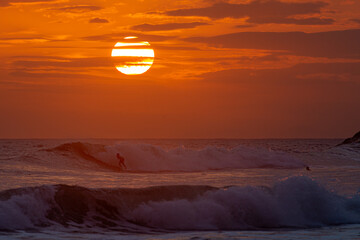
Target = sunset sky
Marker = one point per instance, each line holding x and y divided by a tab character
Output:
222	69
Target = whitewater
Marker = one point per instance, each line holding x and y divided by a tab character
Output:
179	189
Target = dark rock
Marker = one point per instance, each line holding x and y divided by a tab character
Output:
354	139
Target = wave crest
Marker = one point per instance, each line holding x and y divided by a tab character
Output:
297	202
151	158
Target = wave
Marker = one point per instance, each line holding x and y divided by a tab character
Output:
346	151
151	158
296	202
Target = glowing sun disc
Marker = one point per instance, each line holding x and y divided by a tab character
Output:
133	57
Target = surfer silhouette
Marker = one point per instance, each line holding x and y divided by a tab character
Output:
121	161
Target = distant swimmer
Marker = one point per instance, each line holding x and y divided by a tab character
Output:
307	168
121	161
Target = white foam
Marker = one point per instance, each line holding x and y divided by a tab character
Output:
25	210
146	157
296	202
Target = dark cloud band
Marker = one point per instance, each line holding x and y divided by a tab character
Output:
260	11
6	3
166	26
333	44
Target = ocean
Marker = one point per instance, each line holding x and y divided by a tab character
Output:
179	189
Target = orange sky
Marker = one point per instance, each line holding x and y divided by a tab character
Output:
222	69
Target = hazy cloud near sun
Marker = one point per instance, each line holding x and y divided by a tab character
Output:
167	26
261	11
114	37
332	44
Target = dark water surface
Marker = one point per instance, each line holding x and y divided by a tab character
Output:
179	189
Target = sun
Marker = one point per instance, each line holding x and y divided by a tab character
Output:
133	57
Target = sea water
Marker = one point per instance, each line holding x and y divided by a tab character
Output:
179	189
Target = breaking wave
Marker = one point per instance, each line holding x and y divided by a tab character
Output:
152	158
296	202
347	151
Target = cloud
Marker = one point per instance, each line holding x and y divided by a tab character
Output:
330	72
333	44
166	26
113	37
21	40
260	11
21	74
64	62
355	20
79	8
245	26
33	38
98	20
297	21
6	3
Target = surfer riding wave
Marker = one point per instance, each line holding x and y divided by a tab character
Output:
121	161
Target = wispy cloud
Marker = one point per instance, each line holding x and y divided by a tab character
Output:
79	8
19	40
261	11
333	44
245	26
98	20
113	37
331	72
58	62
357	20
6	3
167	26
297	21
